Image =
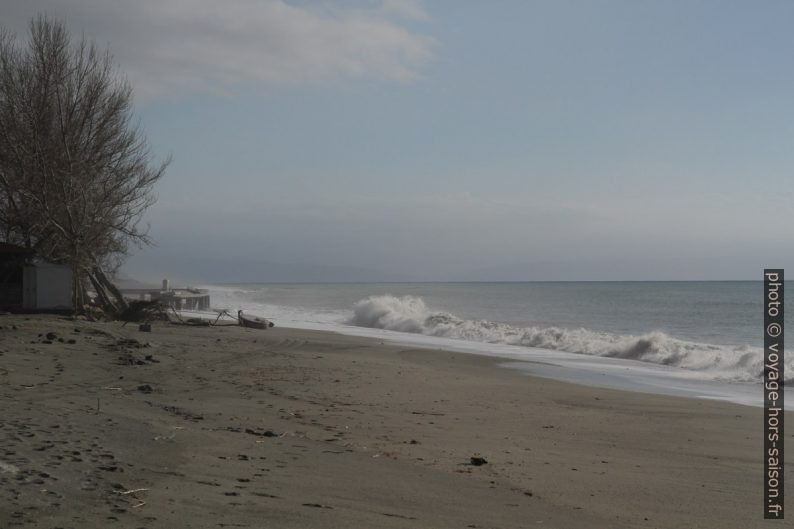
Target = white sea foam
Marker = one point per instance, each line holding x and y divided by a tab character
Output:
654	362
410	314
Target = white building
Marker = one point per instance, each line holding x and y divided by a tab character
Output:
47	286
27	284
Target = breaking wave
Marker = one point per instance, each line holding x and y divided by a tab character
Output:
410	314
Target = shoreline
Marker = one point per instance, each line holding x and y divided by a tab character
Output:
576	368
638	357
305	428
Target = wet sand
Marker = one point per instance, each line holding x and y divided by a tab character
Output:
106	426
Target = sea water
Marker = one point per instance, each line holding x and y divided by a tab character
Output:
694	338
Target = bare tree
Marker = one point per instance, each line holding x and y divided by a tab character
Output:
76	173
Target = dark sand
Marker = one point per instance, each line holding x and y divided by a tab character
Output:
231	427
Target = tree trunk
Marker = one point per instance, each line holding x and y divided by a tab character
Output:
103	297
111	288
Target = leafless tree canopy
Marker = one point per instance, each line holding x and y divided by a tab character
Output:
76	174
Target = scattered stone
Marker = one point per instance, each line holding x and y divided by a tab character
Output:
145	388
478	461
145	327
51	335
266	433
264	495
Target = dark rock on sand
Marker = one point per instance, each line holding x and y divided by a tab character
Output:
265	433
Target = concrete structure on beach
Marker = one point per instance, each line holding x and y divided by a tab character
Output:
187	298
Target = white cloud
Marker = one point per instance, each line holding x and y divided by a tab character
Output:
169	46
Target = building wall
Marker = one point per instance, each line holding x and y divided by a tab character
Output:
10	283
48	286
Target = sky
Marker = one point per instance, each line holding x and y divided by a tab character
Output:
457	140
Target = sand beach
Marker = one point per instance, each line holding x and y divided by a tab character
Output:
106	426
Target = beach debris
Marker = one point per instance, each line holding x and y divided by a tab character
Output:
128	359
264	495
143	311
173	316
145	388
252	431
179	412
127	492
253	322
51	335
265	433
317	505
478	461
392	515
131	342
